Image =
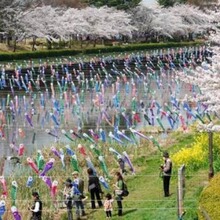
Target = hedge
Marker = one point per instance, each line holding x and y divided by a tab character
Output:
37	54
210	200
67	52
149	46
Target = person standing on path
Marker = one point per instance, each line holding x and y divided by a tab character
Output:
166	169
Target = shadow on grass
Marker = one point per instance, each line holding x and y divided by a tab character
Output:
127	212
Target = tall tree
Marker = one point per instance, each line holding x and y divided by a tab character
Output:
142	19
119	4
169	22
16	5
43	22
166	3
10	13
64	3
107	22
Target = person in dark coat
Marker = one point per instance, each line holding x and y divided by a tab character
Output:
94	188
166	173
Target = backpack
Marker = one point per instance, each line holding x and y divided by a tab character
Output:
125	190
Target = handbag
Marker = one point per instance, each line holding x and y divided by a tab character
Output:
118	192
92	186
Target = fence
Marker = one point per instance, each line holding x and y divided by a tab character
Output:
181	192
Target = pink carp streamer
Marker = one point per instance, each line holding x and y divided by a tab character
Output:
4	187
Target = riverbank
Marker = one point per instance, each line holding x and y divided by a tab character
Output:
98	50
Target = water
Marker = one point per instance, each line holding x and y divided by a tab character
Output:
87	96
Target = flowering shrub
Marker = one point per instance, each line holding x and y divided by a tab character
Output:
195	156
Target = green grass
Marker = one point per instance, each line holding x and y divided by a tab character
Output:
145	201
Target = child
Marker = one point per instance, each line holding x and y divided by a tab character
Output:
108	205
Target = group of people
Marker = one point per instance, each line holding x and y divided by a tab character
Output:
74	192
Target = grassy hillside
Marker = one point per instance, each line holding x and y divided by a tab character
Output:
145	201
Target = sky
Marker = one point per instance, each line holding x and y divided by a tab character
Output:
149	2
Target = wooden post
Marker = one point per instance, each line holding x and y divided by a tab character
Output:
211	169
180	192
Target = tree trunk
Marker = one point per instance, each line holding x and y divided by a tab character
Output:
70	42
103	41
14	45
49	45
1	39
33	44
94	43
8	40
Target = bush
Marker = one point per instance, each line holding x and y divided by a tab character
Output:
195	156
209	202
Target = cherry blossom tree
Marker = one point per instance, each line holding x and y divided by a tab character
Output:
207	75
17	3
11	12
207	78
107	22
58	23
73	24
169	22
43	22
11	25
142	19
195	19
